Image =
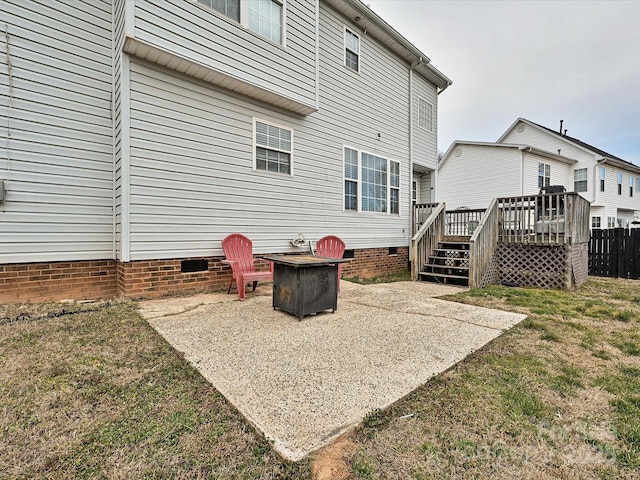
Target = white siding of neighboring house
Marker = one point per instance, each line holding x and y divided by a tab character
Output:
55	119
609	199
477	175
192	181
544	140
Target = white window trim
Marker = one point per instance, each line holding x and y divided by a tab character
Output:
255	144
244	19
422	99
344	49
359	182
595	220
585	180
544	175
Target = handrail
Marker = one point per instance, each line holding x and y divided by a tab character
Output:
483	245
427	238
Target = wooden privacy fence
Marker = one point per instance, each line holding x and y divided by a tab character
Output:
615	252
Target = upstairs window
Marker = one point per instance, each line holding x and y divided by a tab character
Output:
580	180
274	146
630	186
425	114
229	8
544	175
265	17
371	183
602	173
619	183
351	50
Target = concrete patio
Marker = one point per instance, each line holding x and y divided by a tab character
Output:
304	383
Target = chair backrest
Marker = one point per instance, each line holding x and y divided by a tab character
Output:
330	247
239	248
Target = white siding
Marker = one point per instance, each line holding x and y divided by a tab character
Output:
425	148
192	181
561	173
58	161
191	31
477	175
543	140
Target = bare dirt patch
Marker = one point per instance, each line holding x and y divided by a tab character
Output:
332	462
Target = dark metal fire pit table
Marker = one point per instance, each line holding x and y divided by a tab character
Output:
304	284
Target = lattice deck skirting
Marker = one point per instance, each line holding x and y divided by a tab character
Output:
542	266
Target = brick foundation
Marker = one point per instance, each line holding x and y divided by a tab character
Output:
155	278
38	282
373	262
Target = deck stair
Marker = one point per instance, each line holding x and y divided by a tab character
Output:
449	262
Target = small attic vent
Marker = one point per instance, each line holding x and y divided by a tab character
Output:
190	266
521	128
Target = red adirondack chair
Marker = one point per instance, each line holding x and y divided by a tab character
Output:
239	252
331	247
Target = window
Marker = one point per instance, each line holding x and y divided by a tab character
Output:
265	17
602	179
611	222
371	183
414	191
350	179
619	183
274	145
630	186
425	114
229	8
351	50
595	222
580	180
544	175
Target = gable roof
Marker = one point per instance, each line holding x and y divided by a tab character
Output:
526	148
606	157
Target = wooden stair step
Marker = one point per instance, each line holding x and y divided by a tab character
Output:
444	275
445	267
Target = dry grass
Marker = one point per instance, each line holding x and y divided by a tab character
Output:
556	397
100	395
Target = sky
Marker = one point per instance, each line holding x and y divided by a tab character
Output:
546	61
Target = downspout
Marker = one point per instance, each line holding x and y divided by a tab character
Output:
414	65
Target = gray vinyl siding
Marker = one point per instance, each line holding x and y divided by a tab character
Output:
425	147
191	31
58	160
192	181
120	74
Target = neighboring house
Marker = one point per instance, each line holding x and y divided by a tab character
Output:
529	156
138	134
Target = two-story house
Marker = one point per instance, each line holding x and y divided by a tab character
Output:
139	133
528	157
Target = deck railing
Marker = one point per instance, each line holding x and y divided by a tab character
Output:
427	237
548	219
422	211
463	222
483	244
